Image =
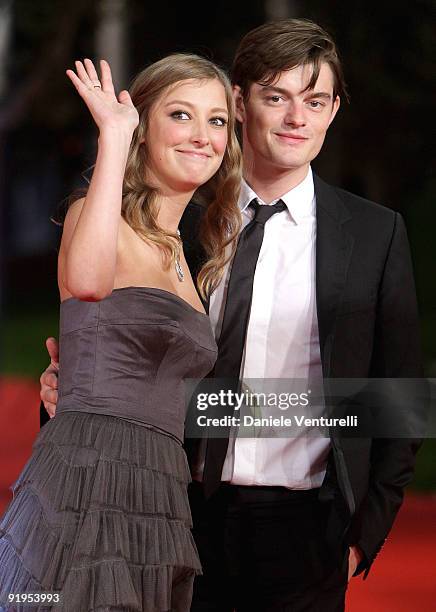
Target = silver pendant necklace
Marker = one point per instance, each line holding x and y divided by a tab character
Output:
177	265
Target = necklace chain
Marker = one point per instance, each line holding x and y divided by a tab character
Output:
177	265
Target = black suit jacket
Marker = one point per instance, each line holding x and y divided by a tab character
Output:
368	327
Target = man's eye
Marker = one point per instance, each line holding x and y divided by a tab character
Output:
275	98
315	104
218	121
183	115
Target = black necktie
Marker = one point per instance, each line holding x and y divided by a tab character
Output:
234	328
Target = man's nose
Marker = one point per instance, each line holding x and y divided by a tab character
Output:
295	116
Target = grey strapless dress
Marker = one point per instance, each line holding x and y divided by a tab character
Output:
100	512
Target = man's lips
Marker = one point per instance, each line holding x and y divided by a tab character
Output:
291	138
194	154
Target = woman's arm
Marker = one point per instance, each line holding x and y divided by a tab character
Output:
89	242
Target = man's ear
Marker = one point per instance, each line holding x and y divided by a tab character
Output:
239	104
336	105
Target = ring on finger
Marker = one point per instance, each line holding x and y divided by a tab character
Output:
96	84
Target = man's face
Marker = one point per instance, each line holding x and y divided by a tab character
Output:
284	126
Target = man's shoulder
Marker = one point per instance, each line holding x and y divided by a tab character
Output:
356	205
364	206
190	222
195	209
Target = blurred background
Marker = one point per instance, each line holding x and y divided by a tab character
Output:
378	147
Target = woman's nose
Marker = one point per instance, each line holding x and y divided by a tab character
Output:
200	135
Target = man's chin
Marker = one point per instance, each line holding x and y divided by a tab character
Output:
290	164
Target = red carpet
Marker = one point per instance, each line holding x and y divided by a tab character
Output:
19	403
403	578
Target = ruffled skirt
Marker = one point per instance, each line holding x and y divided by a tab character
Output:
101	516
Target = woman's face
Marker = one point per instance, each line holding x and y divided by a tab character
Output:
187	135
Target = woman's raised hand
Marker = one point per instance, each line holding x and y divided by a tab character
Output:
108	111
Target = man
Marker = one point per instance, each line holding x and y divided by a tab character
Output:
321	286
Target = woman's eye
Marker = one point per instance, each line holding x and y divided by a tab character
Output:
218	121
183	115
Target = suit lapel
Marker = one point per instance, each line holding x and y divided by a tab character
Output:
334	247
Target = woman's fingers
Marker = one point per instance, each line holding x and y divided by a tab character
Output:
92	73
78	83
106	77
83	75
124	98
88	75
104	106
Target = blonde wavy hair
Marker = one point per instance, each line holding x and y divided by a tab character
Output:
221	221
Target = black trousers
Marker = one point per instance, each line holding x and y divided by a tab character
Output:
265	549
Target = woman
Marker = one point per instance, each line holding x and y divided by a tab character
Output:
100	517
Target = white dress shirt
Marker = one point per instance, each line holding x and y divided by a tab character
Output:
282	339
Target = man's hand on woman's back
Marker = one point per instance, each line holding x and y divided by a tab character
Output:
49	378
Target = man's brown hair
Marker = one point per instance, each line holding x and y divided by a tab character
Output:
274	47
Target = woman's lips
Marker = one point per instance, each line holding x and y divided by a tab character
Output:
194	154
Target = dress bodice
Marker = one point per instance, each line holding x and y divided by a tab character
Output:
128	355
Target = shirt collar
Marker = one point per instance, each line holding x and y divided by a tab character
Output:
300	200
